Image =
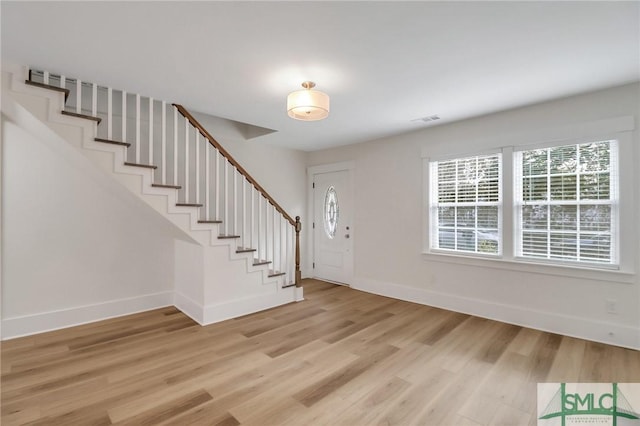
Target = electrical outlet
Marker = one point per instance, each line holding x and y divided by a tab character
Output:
612	306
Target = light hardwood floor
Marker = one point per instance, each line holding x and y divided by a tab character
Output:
341	357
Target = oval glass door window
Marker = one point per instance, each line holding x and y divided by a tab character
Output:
331	212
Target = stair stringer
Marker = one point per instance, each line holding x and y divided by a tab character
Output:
228	290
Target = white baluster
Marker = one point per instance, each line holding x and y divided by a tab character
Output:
252	222
45	77
267	245
109	113
217	185
151	131
244	213
78	96
259	232
274	251
124	116
292	244
164	142
175	146
197	167
281	247
286	251
235	201
137	129
63	82
207	176
273	238
226	197
272	234
94	100
186	161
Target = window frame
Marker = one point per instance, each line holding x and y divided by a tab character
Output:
620	129
432	206
613	202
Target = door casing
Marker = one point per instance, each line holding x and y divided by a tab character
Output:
310	244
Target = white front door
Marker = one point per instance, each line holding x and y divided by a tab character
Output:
332	227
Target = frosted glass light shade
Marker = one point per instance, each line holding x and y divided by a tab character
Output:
308	105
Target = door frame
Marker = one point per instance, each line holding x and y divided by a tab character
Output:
310	246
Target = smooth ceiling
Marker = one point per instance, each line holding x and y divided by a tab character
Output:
384	64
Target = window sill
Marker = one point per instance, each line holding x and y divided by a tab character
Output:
586	272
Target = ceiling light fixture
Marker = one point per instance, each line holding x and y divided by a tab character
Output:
308	105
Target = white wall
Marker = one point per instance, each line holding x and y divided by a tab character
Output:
76	245
389	224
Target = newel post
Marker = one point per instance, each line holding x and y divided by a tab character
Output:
298	273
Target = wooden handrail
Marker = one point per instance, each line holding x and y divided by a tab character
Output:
295	223
233	162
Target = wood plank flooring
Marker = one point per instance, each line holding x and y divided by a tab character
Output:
341	357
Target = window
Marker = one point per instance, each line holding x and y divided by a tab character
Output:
331	212
465	204
566	202
562	204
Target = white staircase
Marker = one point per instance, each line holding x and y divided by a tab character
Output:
249	245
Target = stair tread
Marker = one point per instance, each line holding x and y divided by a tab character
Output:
112	142
245	250
88	117
148	166
49	87
189	205
257	262
209	221
162	185
273	273
289	285
228	236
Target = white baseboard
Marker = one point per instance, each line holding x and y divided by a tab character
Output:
248	305
54	320
584	328
189	307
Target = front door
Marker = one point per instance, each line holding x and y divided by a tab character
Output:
333	229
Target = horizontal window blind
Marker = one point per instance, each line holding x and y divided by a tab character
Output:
566	202
465	204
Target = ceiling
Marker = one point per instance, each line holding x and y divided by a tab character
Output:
384	64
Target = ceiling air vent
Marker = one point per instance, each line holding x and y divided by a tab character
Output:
428	119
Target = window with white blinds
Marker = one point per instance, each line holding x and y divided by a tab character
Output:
567	203
465	204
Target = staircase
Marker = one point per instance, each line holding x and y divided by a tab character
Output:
162	154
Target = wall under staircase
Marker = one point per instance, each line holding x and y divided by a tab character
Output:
86	238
